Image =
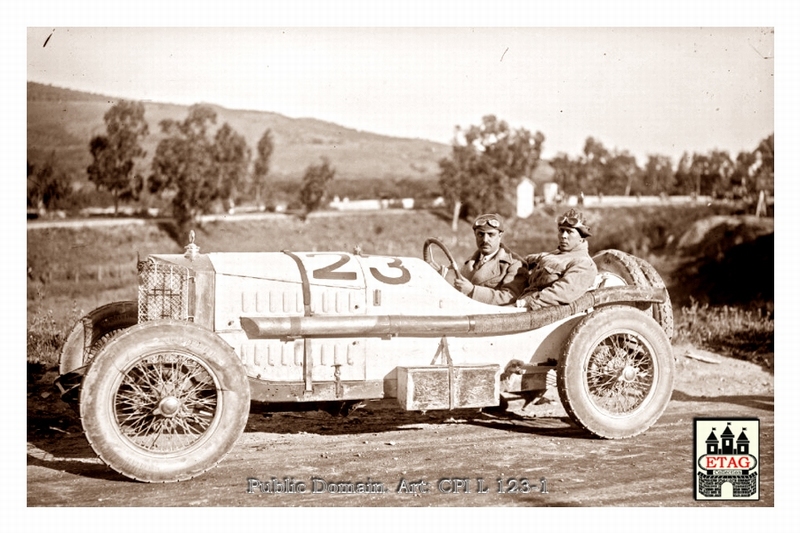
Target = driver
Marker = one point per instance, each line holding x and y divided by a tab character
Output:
563	275
494	274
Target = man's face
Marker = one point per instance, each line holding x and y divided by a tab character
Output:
568	238
488	240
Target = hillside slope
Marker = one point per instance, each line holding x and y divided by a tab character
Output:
63	121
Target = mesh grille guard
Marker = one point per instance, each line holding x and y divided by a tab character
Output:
163	291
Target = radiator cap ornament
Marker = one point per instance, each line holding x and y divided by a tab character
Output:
192	250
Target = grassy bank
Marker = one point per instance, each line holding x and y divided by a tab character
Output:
743	333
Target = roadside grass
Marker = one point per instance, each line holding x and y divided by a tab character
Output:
746	333
47	333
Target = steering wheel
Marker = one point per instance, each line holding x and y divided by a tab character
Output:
427	256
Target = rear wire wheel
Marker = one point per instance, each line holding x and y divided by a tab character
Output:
164	401
616	374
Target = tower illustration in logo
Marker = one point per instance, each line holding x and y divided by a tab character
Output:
726	467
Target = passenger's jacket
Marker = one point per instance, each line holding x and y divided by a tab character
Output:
558	278
500	280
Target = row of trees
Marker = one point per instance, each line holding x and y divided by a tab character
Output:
489	160
601	171
197	164
194	164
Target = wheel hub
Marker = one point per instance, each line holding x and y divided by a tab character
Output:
169	406
628	374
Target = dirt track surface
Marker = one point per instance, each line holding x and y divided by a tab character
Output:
380	443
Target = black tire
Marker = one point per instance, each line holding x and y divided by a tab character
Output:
95	330
164	401
616	374
638	272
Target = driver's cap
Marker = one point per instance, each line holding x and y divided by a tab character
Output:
489	221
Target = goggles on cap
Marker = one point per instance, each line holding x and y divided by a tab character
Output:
486	221
574	219
569	221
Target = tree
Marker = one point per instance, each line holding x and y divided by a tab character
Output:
595	159
755	171
764	173
261	169
486	164
114	153
658	175
231	157
47	185
684	183
315	184
569	173
620	175
184	164
706	174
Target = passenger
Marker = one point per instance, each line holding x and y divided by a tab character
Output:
494	274
563	275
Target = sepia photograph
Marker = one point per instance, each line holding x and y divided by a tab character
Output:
401	265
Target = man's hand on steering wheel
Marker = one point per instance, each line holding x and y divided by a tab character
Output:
464	285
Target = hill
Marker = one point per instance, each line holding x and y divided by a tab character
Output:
63	121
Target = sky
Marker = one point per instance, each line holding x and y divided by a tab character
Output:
644	90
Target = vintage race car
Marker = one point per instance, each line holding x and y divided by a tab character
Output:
164	384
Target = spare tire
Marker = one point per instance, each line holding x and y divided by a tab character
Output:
661	312
637	272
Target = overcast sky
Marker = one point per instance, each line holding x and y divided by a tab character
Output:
653	90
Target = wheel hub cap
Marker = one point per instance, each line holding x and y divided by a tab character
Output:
628	374
169	406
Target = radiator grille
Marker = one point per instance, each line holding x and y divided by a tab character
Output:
163	291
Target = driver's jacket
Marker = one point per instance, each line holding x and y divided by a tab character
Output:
558	278
499	280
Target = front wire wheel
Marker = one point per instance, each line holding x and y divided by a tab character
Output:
616	374
164	401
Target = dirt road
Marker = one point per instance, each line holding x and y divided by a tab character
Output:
426	459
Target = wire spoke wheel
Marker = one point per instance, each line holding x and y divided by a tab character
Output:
166	402
620	373
616	373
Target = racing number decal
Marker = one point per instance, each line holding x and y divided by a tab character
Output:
329	272
332	271
404	277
